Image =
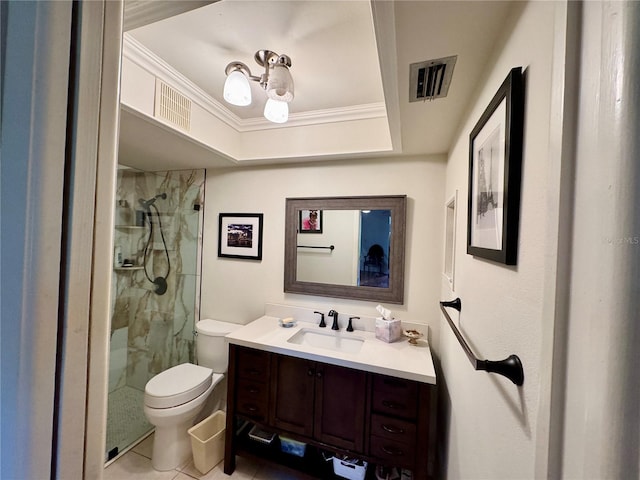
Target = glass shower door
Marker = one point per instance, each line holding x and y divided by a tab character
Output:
155	282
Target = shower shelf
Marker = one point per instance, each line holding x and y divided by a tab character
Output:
122	269
130	227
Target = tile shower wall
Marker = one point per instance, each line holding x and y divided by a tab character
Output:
157	328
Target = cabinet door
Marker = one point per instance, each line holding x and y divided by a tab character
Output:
340	406
292	394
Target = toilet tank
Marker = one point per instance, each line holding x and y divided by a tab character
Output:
211	348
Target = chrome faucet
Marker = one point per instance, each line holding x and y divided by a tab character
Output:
334	314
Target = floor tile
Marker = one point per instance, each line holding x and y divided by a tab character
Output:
133	466
137	466
145	448
245	470
193	472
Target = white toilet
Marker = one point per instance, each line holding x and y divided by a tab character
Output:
173	398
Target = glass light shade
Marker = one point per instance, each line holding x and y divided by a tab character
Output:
276	111
237	90
280	84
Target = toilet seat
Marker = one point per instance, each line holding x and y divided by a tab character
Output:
177	385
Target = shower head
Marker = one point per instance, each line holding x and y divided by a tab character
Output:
151	201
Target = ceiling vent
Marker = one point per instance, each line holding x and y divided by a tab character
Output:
430	79
172	106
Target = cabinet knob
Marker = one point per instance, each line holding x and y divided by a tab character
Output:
310	372
319	374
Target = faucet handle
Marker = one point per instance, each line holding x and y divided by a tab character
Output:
350	327
322	324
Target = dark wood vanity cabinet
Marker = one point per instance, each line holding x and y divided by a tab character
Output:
401	425
324	402
383	419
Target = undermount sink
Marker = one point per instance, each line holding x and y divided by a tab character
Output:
329	340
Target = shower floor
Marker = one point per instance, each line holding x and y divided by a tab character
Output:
126	422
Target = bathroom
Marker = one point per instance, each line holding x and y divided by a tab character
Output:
559	423
429	181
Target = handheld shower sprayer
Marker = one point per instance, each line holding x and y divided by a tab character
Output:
147	203
159	282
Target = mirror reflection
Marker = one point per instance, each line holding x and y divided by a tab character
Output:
347	247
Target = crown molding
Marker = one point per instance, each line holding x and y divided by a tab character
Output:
146	59
149	61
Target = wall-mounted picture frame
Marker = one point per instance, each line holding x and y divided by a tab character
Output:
240	235
310	221
495	164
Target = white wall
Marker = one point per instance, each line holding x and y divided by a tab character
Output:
602	402
236	290
491	423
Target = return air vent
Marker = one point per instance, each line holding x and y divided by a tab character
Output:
172	106
430	79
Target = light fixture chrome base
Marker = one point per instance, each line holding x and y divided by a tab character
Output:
265	58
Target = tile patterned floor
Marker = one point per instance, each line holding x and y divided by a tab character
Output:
136	465
127	421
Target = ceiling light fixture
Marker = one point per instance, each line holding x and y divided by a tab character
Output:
276	82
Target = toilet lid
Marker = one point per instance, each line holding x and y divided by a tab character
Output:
177	385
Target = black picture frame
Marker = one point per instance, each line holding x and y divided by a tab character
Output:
495	162
304	216
240	235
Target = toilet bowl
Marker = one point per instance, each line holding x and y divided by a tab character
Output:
175	397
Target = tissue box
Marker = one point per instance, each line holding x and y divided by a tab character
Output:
293	447
388	330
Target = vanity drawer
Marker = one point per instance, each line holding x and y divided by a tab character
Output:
393	429
252	391
251	408
393	452
395	396
253	364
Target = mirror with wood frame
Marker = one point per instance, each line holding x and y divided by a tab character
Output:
346	247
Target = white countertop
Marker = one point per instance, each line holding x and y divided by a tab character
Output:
398	359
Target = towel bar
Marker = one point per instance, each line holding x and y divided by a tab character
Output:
510	367
330	247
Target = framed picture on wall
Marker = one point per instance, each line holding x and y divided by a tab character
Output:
240	235
495	159
310	221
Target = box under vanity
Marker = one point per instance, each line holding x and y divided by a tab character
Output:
336	393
